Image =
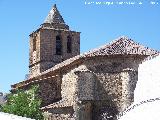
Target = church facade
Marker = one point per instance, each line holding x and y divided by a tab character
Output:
96	85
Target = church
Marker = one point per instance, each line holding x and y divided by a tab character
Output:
95	85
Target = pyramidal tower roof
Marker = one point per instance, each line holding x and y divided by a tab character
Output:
54	16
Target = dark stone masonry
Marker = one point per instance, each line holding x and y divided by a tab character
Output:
96	85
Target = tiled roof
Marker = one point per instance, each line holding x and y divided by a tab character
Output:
61	103
120	46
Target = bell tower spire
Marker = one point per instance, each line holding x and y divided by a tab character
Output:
52	43
54	16
55	20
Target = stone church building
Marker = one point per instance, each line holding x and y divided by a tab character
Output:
96	85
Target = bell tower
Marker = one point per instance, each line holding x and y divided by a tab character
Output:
52	43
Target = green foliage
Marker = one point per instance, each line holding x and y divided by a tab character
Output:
24	103
0	108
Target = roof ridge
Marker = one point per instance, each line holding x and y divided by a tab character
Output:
125	46
110	43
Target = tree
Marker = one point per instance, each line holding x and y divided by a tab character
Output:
0	108
24	103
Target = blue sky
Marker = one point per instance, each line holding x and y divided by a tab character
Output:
98	24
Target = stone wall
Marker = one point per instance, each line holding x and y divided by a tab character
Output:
3	98
60	114
48	45
85	85
68	86
129	78
92	88
83	110
50	91
104	83
34	53
115	79
44	56
103	110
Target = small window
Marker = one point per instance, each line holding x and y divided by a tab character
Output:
34	44
58	45
69	44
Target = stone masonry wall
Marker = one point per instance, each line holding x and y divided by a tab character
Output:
129	79
102	83
60	114
44	56
110	77
50	91
68	86
48	46
85	85
34	54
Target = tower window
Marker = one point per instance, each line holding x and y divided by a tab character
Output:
58	45
69	44
34	44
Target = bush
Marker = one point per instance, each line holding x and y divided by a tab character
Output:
24	103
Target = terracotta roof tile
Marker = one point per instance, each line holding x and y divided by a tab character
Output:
61	103
122	46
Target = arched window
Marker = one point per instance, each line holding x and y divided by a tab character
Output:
58	45
34	44
69	44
